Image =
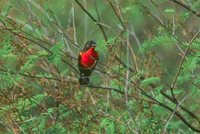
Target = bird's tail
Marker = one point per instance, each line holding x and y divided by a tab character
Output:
84	80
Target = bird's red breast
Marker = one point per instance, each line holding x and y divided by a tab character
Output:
88	58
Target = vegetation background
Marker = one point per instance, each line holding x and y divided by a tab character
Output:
147	79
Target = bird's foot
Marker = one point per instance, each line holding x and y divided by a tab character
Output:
85	81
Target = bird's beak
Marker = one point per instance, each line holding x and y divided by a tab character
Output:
94	45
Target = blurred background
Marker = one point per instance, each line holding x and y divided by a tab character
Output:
146	81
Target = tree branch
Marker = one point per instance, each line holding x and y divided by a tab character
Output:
106	88
98	23
186	7
180	65
35	77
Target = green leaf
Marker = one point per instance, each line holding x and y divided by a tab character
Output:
30	63
157	41
184	78
178	91
6	47
122	129
43	53
108	125
191	63
56	129
170	10
126	9
150	80
7	7
185	15
56	54
6	80
102	44
158	89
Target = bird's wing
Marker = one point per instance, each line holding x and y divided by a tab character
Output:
96	61
79	59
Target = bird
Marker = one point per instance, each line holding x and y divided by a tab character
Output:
87	61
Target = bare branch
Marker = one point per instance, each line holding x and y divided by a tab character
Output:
186	7
181	64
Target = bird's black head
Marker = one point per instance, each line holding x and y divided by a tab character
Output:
89	44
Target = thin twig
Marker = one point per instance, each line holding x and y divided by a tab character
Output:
186	7
117	14
73	22
36	77
106	88
35	42
181	64
127	71
182	107
100	26
175	109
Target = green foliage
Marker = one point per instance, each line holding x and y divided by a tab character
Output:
170	11
6	80
184	16
7	56
196	43
7	7
150	125
6	47
56	129
196	4
115	84
191	63
28	104
133	11
151	80
107	125
157	41
30	63
102	45
56	54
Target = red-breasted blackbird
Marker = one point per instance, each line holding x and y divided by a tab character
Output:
87	60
